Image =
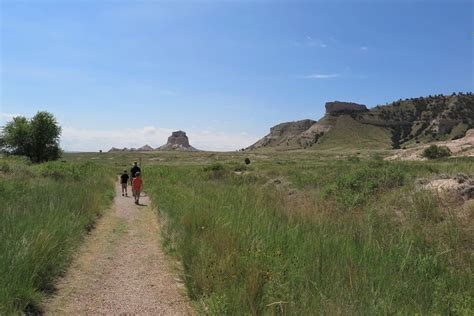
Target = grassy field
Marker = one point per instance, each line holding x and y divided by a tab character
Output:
45	210
316	239
299	232
294	232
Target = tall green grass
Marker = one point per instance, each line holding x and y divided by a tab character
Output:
333	247
45	211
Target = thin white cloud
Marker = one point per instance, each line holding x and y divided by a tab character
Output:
74	139
322	76
309	41
364	48
7	116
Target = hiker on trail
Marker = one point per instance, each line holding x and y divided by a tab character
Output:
123	181
137	187
134	171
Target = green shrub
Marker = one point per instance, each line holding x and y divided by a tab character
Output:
216	171
353	159
434	152
356	187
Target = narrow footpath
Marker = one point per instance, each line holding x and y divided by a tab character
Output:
121	268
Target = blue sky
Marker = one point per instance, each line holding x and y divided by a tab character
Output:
122	73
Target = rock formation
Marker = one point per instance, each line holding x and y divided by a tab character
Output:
177	141
145	148
410	121
285	134
338	107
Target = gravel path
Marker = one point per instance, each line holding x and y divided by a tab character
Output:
121	268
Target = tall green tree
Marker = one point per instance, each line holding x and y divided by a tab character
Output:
16	136
37	138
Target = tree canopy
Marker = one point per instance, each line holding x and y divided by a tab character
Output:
36	138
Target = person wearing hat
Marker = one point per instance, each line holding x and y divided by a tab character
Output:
134	171
137	187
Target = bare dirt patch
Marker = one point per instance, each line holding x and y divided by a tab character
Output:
460	185
121	268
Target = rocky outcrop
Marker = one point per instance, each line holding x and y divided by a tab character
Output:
338	107
461	185
289	135
178	141
145	148
410	121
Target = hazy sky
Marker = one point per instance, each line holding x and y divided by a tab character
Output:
126	73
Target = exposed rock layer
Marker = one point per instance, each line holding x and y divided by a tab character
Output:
338	107
411	121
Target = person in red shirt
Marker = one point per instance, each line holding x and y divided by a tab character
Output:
137	187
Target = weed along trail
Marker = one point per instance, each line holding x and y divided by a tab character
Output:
121	268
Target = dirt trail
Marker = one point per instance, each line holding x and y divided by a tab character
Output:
121	268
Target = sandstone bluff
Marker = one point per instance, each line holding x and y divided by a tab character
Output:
402	123
178	141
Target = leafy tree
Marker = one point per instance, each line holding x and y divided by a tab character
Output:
37	138
15	137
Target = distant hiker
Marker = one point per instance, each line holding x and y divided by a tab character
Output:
137	187
124	180
134	171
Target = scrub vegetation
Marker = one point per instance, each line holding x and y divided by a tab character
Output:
283	233
291	236
45	211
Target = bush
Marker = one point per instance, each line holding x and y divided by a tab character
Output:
434	152
358	186
216	171
353	159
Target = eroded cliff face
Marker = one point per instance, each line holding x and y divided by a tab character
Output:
339	108
424	119
411	120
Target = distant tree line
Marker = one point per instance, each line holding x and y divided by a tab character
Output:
36	138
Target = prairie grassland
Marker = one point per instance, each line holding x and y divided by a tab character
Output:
303	236
306	232
45	210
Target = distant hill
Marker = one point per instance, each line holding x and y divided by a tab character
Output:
143	148
177	141
398	124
